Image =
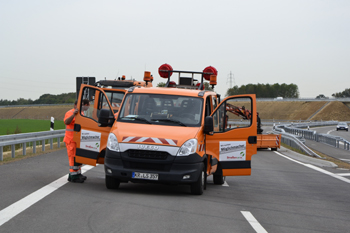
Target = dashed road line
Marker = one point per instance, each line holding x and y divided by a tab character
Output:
253	222
21	205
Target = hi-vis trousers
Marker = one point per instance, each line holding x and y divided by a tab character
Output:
74	168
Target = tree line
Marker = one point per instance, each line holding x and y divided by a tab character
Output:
44	99
266	90
343	94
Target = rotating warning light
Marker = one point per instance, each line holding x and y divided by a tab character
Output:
209	71
147	76
212	79
165	71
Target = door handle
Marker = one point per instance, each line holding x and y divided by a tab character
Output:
252	140
77	127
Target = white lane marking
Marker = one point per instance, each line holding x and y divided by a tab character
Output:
345	159
253	222
343	174
317	169
225	184
21	205
330	131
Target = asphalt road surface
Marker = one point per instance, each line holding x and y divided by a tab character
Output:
281	195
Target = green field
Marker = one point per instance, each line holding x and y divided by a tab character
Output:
12	126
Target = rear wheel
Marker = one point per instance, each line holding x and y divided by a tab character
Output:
198	187
274	149
112	183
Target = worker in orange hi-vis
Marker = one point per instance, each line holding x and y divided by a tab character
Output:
69	120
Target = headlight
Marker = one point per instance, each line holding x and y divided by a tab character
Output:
112	143
189	147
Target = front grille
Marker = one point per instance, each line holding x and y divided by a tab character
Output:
146	154
147	166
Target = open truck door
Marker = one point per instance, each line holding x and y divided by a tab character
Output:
234	138
92	127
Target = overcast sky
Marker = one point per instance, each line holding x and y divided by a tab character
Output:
46	44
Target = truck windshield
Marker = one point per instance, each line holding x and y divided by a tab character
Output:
162	110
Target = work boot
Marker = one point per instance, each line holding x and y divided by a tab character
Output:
82	177
75	179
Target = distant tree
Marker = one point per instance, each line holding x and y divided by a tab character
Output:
161	84
321	96
344	94
207	86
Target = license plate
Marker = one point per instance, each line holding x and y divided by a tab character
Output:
145	176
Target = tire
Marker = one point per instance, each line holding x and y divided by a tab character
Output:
219	179
112	183
197	188
274	149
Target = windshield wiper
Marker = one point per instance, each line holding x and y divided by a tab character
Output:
138	118
170	120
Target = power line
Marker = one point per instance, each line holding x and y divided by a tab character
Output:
231	80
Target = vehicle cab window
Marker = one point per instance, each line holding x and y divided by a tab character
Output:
233	113
98	101
161	109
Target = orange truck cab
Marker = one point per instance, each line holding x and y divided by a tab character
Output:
178	134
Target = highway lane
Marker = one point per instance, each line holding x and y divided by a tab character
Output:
333	131
341	154
281	194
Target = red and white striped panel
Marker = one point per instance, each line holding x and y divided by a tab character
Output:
152	140
277	141
200	147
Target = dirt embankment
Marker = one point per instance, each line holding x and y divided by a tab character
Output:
278	110
304	110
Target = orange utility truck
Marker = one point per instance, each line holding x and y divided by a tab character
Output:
175	134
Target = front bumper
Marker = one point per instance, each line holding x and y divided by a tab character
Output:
170	169
342	128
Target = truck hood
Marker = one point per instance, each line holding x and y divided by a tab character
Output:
154	134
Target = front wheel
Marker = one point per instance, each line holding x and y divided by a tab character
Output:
112	183
198	187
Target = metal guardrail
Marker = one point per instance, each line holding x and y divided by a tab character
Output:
294	141
24	138
330	140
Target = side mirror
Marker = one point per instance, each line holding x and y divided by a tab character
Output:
208	125
105	119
